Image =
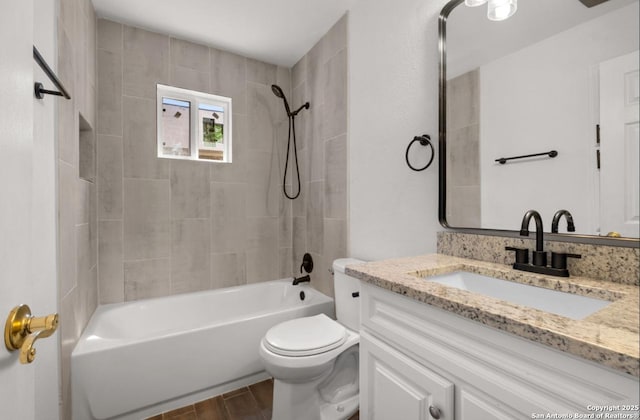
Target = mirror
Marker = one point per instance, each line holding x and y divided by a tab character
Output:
555	77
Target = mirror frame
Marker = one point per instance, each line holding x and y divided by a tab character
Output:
442	159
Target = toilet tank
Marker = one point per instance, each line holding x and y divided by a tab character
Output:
347	306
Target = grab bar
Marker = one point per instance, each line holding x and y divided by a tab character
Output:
39	87
552	154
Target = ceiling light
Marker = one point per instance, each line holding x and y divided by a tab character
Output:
501	9
474	3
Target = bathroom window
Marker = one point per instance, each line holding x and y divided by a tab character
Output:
193	125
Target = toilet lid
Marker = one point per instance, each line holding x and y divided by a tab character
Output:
305	336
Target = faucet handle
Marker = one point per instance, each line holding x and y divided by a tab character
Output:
522	254
559	259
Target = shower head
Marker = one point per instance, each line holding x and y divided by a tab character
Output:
277	90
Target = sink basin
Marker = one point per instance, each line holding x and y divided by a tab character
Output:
561	303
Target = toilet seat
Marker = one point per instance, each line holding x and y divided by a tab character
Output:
305	336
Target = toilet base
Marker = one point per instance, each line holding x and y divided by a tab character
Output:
342	410
333	395
303	401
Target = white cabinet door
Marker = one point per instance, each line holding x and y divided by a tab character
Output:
393	386
474	406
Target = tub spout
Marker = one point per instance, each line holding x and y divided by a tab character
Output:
302	279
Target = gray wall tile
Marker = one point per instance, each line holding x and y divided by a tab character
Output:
83	195
316	144
263	111
228	78
463	100
262	264
186	78
67	125
315	217
67	204
190	256
262	232
262	185
228	220
299	73
235	171
335	240
109	93
335	95
146	62
110	261
109	177
109	36
227	270
190	189
147	213
260	72
83	263
145	279
140	146
316	74
285	267
190	55
336	39
335	204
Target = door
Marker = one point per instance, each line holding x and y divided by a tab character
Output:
27	206
393	386
619	133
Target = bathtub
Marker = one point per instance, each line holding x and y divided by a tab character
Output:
138	359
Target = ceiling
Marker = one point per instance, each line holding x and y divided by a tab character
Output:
275	31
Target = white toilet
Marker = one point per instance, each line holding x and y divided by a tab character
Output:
314	360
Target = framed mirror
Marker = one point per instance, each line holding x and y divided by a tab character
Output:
540	111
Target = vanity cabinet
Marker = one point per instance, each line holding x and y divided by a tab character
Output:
416	358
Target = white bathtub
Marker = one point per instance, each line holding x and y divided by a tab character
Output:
137	359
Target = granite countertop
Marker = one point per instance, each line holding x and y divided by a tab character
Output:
608	336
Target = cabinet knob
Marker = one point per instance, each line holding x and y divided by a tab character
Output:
434	411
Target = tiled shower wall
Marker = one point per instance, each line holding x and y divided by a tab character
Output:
77	224
463	145
168	226
320	213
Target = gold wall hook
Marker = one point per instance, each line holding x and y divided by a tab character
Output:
22	330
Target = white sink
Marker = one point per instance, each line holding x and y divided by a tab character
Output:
560	303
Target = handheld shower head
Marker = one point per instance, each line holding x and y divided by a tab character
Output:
277	90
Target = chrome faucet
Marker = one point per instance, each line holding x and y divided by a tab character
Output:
539	256
556	219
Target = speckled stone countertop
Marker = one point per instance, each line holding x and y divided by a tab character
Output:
608	336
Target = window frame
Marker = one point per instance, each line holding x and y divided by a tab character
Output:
195	99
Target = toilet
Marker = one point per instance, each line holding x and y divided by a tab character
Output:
314	360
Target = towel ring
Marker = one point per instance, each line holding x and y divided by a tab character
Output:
425	140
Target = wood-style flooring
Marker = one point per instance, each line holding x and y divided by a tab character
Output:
248	403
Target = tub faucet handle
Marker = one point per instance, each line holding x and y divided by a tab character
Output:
307	263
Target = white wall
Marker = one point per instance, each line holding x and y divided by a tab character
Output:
393	96
546	94
43	234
